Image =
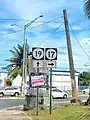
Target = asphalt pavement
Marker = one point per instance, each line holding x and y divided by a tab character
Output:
6	103
10	102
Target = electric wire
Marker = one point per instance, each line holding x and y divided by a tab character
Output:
46	23
31	20
50	34
78	41
11	32
31	27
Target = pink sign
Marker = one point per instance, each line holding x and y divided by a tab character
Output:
37	80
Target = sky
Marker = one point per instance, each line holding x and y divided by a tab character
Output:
21	12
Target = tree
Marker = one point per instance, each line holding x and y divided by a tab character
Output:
85	78
0	81
87	8
87	14
16	62
9	82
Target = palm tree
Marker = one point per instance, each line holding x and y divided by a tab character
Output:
87	8
16	62
87	14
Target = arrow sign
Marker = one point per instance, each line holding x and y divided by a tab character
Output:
51	64
37	64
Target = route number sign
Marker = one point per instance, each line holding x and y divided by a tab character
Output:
50	54
38	53
41	54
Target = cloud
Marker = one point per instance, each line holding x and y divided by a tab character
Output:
28	9
76	28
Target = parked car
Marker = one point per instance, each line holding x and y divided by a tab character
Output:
85	90
57	93
10	91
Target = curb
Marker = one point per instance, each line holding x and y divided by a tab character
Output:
13	107
10	98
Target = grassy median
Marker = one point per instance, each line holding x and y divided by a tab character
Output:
62	113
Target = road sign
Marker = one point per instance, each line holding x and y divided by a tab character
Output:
37	53
37	80
51	64
51	54
37	63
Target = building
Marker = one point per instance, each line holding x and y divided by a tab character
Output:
62	80
3	78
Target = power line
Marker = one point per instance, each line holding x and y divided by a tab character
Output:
14	19
11	32
50	34
79	42
46	23
32	27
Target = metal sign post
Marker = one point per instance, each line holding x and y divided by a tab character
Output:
50	90
37	86
37	99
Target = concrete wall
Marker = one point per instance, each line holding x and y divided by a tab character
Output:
3	77
62	80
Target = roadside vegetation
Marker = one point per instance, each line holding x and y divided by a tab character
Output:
62	113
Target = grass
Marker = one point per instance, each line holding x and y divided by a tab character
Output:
63	113
79	94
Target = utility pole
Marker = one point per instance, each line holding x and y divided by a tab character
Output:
25	80
71	64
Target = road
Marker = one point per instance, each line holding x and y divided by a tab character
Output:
82	98
5	102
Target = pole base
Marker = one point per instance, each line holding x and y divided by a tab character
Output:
88	101
77	101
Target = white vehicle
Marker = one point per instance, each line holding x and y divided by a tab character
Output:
56	93
13	91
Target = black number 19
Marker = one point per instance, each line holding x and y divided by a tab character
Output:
38	53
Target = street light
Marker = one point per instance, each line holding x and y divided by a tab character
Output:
25	53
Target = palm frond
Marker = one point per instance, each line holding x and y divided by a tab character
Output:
87	8
13	73
16	61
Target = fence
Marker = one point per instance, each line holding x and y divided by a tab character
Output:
80	88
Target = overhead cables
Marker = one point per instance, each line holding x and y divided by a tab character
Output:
31	27
29	20
79	42
11	32
50	34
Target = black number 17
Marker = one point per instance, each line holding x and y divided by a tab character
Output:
51	54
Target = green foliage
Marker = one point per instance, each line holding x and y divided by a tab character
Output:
16	62
87	8
9	82
0	81
85	76
62	113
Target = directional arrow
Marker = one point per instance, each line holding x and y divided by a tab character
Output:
51	64
38	64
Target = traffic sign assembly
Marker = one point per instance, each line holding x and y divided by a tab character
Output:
38	55
41	54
